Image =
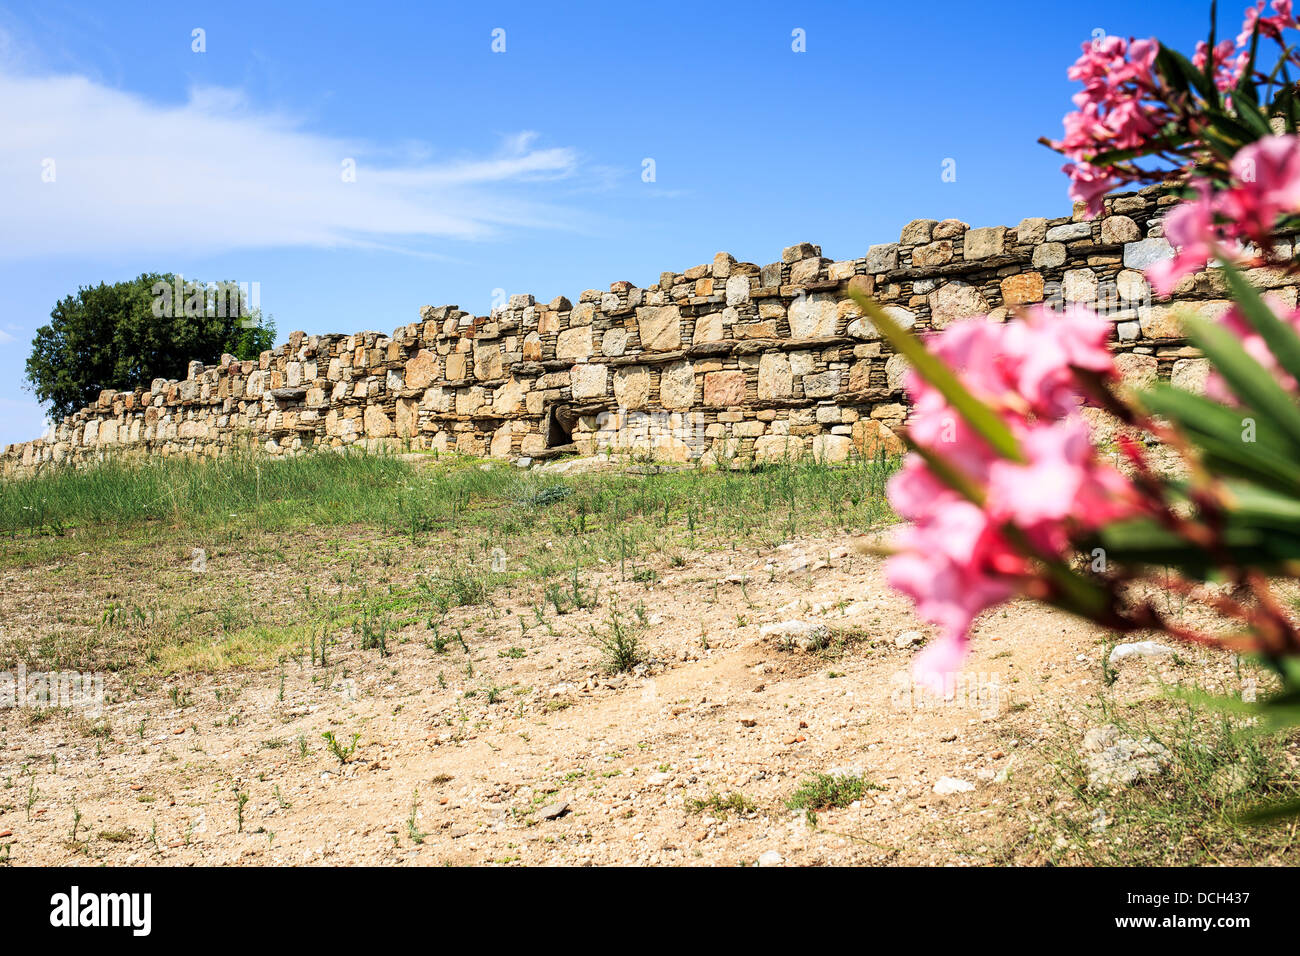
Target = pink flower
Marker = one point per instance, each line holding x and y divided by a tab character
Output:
1268	185
1089	184
1061	475
956	559
1270	27
1190	228
1227	71
1048	346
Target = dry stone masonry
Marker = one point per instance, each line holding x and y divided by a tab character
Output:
727	359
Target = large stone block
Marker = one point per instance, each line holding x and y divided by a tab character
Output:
1022	289
632	386
985	242
724	389
1161	321
775	380
822	385
677	385
660	327
589	381
813	315
955	300
574	344
377	424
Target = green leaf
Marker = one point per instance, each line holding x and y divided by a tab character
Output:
979	416
1271	812
1249	113
1281	339
1249	380
1181	74
1218	431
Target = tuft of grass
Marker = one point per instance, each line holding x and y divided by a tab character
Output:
1196	811
619	643
825	791
721	806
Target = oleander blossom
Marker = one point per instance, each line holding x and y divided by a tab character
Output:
1264	187
958	557
1114	112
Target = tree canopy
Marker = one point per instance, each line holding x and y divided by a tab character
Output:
125	335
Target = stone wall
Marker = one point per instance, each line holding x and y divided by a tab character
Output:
725	359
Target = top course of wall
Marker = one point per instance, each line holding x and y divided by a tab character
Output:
724	359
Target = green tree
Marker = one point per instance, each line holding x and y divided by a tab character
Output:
123	336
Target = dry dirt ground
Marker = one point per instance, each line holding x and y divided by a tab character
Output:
525	751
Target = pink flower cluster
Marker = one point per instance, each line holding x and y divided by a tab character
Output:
1271	27
1265	185
1113	112
1229	64
959	556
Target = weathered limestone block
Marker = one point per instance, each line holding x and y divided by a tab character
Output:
896	368
1138	371
775	379
737	290
882	258
813	315
932	254
1049	255
822	385
863	328
778	448
1079	285
487	361
589	381
614	343
917	231
831	448
708	328
408	417
1132	286
377	424
1117	229
574	344
1160	321
660	328
1031	230
955	300
1190	375
456	367
1146	253
985	242
677	385
632	386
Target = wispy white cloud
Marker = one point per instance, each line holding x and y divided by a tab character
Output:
216	174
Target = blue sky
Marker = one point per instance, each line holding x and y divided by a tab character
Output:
520	171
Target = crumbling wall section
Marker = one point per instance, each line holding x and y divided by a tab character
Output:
727	359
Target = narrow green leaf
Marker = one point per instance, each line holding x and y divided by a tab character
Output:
1281	339
1221	435
1249	380
1180	72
